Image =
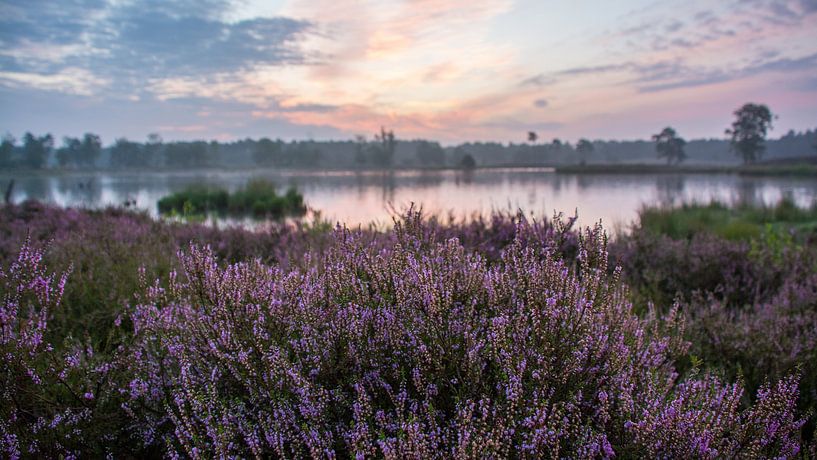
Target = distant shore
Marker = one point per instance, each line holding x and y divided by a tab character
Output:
797	169
802	169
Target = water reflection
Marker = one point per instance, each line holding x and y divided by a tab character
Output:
748	193
356	197
670	189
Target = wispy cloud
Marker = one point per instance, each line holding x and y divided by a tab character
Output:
444	69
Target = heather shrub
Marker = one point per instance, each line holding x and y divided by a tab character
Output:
501	336
105	249
750	306
762	341
661	269
423	349
53	402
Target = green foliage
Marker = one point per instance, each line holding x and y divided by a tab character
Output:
194	200
743	222
258	199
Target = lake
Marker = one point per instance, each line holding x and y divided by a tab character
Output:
363	197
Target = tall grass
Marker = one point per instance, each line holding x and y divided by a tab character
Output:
740	222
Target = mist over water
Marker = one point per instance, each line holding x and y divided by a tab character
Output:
356	198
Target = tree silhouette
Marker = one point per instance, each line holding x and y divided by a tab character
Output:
388	144
36	150
7	150
430	153
90	150
268	152
669	146
361	150
584	148
69	153
532	137
468	162
749	131
152	148
127	154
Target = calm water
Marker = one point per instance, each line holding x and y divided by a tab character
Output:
361	198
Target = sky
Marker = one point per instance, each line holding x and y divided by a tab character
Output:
447	70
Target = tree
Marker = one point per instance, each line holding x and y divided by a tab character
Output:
814	146
90	150
69	153
388	144
361	150
532	137
584	148
186	154
430	153
669	146
151	149
127	154
749	131
304	154
36	150
268	152
468	162
7	150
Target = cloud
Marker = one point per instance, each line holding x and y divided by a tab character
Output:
808	6
129	42
70	80
540	103
166	46
687	77
536	81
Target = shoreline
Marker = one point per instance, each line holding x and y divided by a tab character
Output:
773	169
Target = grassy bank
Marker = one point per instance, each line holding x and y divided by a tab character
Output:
796	169
741	222
644	169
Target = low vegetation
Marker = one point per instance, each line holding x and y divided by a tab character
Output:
499	336
258	199
741	222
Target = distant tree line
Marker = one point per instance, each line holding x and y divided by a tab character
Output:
747	142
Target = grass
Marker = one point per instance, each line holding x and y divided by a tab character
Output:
258	199
741	222
800	170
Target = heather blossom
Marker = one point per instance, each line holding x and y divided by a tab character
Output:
506	338
423	349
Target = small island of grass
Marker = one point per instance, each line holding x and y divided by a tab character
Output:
258	199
